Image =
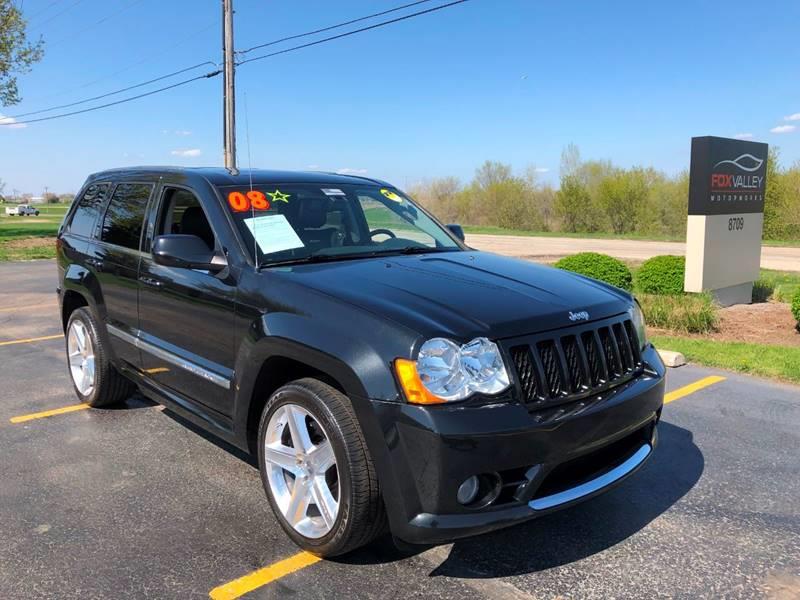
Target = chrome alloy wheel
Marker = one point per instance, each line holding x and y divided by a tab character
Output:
301	470
81	357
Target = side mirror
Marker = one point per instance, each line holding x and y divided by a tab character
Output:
456	230
186	252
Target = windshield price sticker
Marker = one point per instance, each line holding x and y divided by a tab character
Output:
245	201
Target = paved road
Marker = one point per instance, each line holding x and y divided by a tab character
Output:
135	503
783	259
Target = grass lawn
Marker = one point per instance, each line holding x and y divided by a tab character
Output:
25	238
602	236
784	284
777	362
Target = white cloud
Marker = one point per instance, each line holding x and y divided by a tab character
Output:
349	171
794	117
189	152
743	136
183	132
10	123
312	167
542	170
783	129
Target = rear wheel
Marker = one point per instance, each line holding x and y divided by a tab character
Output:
316	470
94	378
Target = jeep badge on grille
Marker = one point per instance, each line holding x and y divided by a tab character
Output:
579	316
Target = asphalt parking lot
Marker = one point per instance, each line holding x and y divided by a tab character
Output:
133	502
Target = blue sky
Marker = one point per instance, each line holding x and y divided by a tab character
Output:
507	80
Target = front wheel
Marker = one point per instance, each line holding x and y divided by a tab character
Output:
316	469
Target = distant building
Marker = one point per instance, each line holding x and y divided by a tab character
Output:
36	200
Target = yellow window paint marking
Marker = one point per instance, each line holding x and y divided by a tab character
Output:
692	388
49	413
29	340
239	587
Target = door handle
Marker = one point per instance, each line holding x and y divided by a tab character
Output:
94	262
151	282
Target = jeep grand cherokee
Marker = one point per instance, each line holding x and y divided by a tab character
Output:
386	375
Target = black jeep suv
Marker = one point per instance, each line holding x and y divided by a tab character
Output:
386	375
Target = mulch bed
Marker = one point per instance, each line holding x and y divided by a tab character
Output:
769	323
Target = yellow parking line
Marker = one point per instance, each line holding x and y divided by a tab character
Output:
692	388
49	413
256	579
29	340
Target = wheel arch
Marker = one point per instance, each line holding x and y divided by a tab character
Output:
277	366
70	302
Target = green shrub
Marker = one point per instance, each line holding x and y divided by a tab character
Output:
661	275
599	266
796	307
763	290
686	313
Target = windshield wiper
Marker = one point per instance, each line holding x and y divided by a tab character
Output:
424	250
319	258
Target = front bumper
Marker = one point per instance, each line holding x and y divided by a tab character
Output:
427	452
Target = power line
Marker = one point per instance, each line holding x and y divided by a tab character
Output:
270	43
10	122
115	103
167	76
353	32
75	33
43	10
114	93
324	29
58	14
145	59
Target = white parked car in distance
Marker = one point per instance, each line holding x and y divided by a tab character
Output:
22	210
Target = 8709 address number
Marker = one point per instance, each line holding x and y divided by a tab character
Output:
735	223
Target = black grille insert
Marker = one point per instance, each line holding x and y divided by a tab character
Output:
552	370
565	367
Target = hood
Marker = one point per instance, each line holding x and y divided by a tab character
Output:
462	295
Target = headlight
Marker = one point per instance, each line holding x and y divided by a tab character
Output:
446	372
637	316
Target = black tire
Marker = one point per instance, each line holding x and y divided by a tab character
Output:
362	516
109	386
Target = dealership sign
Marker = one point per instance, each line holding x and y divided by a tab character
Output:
727	187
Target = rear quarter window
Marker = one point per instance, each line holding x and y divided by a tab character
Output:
122	223
87	210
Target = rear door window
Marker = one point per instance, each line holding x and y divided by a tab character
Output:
88	208
122	224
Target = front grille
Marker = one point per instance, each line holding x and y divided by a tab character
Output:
576	362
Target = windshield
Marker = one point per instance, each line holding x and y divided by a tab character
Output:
306	223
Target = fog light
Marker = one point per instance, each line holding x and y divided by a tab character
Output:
468	491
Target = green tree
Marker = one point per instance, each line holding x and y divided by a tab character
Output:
573	205
776	198
492	172
17	54
621	197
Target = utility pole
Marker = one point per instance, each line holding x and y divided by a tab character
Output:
228	87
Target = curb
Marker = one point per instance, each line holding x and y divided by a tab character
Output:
672	359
